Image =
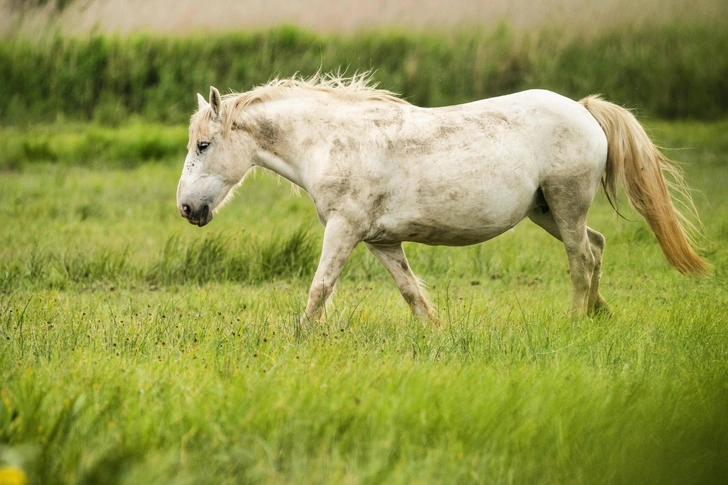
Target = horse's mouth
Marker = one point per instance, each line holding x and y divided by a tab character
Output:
201	222
199	218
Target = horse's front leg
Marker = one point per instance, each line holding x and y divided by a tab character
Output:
340	238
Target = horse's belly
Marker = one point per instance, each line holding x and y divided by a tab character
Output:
450	224
453	235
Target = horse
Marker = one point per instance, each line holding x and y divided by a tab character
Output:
382	171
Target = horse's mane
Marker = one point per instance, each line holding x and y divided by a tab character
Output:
359	87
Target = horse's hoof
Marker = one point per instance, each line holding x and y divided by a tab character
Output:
601	310
431	320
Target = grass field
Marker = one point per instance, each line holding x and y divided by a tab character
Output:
135	348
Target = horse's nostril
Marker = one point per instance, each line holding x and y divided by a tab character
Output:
186	210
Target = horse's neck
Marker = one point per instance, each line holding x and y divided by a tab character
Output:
281	165
283	131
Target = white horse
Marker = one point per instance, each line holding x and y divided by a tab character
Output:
382	171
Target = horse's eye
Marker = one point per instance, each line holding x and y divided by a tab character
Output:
202	145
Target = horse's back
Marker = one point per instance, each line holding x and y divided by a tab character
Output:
511	140
535	113
537	132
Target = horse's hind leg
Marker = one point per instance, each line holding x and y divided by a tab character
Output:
584	247
596	302
394	260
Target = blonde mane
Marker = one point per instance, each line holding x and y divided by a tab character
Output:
358	87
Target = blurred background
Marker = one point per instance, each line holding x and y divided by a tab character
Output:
184	16
119	64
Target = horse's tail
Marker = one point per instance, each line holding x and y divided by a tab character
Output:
636	161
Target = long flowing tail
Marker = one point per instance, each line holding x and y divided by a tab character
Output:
636	161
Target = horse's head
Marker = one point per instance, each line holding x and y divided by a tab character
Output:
216	162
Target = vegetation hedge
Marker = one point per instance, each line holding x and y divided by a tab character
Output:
670	72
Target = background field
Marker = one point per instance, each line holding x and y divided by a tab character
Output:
135	348
673	71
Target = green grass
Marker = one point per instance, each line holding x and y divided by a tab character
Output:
136	348
91	145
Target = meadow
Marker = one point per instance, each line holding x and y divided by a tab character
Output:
135	348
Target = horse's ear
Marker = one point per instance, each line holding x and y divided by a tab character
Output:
201	103
215	100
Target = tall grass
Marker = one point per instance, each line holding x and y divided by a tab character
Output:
215	258
672	71
218	258
91	145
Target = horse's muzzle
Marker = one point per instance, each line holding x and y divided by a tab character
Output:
199	217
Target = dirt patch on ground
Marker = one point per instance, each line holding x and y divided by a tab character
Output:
185	16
